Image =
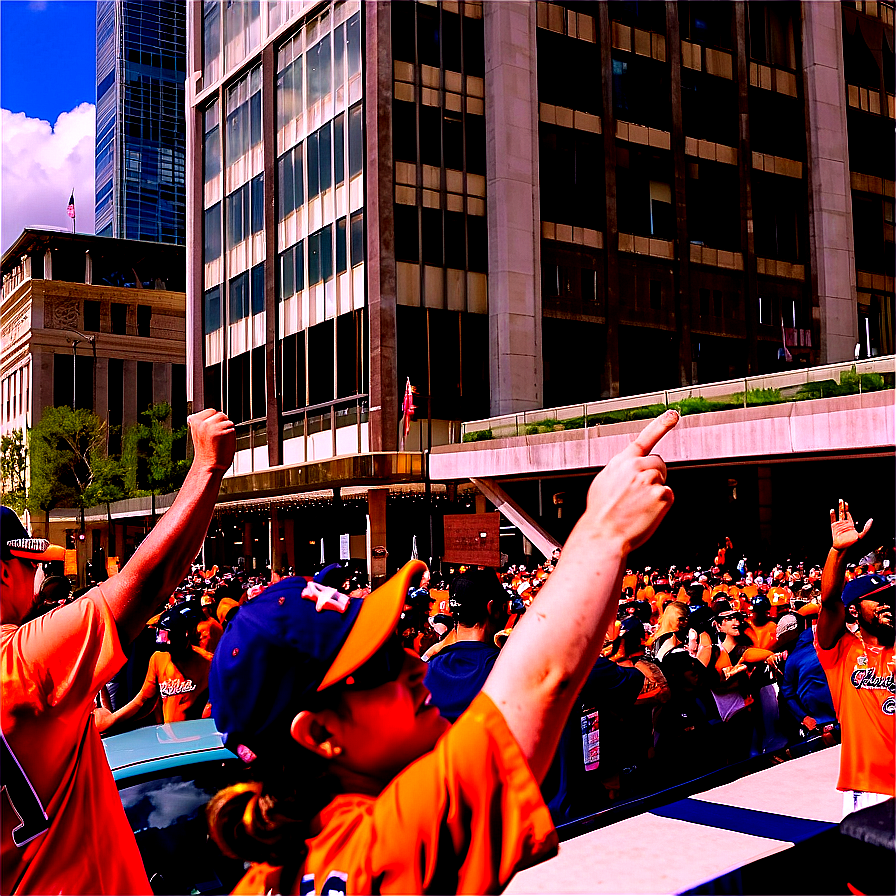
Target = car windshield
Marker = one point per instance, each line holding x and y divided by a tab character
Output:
167	814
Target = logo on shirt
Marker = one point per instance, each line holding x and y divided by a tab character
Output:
174	686
865	679
888	707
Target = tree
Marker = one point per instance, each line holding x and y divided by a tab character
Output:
13	462
69	464
149	453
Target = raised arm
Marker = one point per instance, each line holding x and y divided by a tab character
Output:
832	616
164	557
541	670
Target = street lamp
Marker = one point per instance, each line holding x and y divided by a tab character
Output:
92	341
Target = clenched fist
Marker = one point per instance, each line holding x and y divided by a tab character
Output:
214	439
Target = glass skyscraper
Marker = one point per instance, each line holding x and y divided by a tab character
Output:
140	139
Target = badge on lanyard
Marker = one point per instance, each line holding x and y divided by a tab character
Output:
862	662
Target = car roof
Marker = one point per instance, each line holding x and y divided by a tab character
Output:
161	747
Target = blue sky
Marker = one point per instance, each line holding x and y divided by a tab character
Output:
47	56
47	95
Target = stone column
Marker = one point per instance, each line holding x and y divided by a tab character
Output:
831	244
376	505
514	218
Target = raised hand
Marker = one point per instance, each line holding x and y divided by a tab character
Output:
214	439
629	498
843	530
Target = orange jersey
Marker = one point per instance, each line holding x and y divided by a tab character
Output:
463	818
210	631
182	684
63	827
630	581
763	636
864	697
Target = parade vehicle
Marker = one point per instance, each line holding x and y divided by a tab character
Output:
165	775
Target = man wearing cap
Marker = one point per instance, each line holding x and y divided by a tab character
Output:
859	668
63	826
457	672
804	687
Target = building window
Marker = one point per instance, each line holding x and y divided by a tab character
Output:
239	297
144	319
212	247
289	85
341	248
320	74
212	147
291	181
355	140
91	316
244	115
212	309
357	236
211	41
119	318
257	289
656	295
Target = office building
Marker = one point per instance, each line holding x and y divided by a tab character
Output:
140	73
518	205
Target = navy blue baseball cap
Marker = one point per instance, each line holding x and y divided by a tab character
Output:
293	641
874	586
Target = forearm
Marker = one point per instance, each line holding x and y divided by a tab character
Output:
540	672
832	616
164	557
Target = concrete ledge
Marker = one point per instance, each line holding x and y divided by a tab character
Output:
850	423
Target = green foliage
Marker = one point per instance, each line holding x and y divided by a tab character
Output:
69	464
148	453
13	462
480	435
851	383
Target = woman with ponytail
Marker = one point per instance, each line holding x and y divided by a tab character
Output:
360	785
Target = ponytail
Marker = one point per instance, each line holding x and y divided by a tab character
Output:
269	819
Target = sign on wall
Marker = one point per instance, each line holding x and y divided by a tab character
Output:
473	538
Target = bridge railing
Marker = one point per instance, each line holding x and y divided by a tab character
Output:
808	383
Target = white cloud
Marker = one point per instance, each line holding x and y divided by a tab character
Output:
40	165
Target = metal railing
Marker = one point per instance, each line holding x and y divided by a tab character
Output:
765	389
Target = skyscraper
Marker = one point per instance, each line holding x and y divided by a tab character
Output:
140	70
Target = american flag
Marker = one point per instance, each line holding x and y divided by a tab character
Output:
71	205
407	411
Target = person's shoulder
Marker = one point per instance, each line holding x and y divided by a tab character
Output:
259	880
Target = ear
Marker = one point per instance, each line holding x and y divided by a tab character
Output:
309	730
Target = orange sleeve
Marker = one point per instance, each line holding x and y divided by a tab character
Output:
70	652
470	813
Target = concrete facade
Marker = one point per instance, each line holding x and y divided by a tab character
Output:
831	226
514	219
855	425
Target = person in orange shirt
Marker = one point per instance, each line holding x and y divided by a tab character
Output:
63	826
364	786
762	630
859	668
177	675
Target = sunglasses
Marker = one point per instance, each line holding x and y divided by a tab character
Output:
384	666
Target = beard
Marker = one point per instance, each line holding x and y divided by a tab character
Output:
884	631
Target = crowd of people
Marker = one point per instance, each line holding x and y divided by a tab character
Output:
463	706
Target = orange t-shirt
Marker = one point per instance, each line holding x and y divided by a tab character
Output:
763	636
464	818
182	683
210	631
63	828
630	581
750	590
865	701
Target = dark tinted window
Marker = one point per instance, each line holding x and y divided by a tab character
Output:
167	814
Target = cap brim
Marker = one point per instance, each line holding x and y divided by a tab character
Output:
375	622
52	552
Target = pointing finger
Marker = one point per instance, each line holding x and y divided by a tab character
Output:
650	436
